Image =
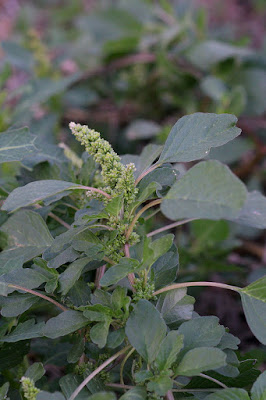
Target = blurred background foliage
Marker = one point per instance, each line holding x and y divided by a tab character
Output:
130	69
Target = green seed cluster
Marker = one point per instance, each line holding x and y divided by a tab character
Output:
143	290
29	390
117	178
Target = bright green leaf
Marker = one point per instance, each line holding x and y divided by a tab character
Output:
193	135
169	348
119	271
36	191
65	323
145	330
35	371
208	190
199	360
25	330
137	393
16	145
255	313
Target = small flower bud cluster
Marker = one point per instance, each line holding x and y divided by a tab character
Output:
117	178
143	290
29	390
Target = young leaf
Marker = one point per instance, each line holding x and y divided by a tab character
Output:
160	384
193	135
208	190
35	191
137	393
170	347
175	307
199	360
16	144
257	289
99	332
4	390
77	350
201	332
138	330
258	391
35	371
72	273
65	323
165	268
229	394
119	271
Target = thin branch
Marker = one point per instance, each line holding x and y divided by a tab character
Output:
131	277
58	219
214	380
92	189
123	364
119	386
107	259
170	226
194	390
99	274
190	284
169	395
146	172
43	296
131	226
96	371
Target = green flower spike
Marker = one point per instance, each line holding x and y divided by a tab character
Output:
29	390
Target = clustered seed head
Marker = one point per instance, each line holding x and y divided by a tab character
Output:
29	389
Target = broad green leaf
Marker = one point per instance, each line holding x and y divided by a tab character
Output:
164	177
16	304
169	348
65	323
145	330
165	268
137	393
72	273
16	145
77	350
119	271
208	190
253	212
69	383
28	237
229	394
257	289
116	338
258	391
114	206
201	332
175	306
35	371
228	341
148	156
12	354
25	277
50	396
255	313
199	360
25	330
103	396
36	191
193	135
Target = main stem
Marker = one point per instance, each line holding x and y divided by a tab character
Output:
96	371
190	284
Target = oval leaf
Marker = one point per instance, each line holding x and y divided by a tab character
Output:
193	135
65	323
208	190
145	330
